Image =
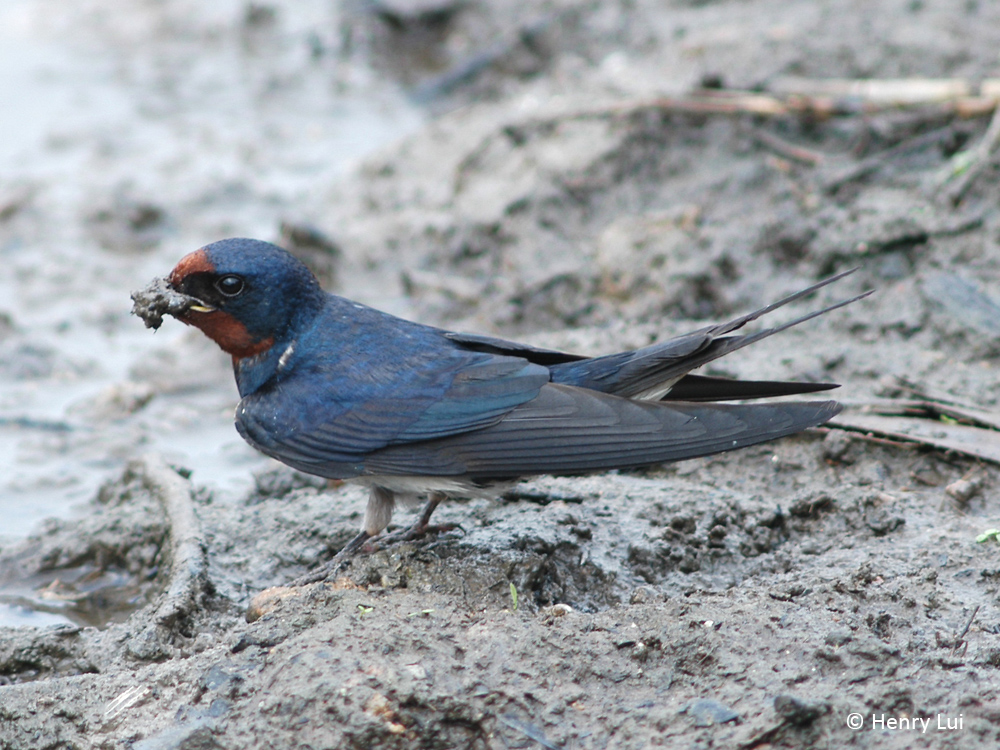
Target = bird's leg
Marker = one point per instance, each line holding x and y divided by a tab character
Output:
378	513
422	527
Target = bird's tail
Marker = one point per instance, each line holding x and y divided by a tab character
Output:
660	371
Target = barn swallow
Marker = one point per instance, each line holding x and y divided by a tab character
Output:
341	390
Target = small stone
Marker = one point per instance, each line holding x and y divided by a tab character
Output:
835	445
640	651
268	600
839	637
416	671
558	610
963	490
798	711
709	712
641	595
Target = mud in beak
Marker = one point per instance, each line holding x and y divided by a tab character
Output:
160	298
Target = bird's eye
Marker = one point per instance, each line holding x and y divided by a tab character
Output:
230	285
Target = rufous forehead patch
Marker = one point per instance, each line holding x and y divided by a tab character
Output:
196	262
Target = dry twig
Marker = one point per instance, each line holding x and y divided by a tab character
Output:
188	557
966	166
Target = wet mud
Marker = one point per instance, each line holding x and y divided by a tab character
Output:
762	598
157	299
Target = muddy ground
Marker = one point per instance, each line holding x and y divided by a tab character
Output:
762	598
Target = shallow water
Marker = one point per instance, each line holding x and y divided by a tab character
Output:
134	133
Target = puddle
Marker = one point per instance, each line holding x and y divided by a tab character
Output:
141	134
13	615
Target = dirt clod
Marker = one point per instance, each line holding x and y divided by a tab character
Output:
159	299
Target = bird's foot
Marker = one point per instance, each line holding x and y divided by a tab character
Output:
367	544
411	533
418	530
421	528
329	569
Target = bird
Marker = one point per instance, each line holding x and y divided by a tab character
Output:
338	389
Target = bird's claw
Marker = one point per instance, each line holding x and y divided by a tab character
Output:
328	569
365	543
414	532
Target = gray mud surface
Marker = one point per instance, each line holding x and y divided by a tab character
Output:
747	600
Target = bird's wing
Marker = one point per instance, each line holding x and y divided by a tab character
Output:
567	430
492	345
326	423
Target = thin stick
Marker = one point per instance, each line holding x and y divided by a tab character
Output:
961	636
966	166
788	150
188	556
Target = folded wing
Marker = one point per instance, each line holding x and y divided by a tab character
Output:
567	430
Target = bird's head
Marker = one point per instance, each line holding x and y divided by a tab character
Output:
250	294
